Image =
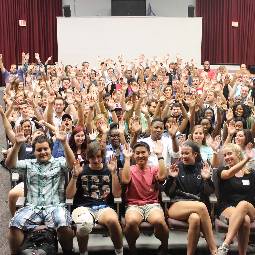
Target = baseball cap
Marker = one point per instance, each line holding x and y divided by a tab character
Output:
83	219
118	107
66	116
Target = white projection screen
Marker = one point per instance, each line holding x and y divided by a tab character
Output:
86	38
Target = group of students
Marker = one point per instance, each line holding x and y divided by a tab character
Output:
130	130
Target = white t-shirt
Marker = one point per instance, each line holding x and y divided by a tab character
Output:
167	150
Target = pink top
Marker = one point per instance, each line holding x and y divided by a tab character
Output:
143	188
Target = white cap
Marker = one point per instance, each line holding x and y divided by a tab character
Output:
83	219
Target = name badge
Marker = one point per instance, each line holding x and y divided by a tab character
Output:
246	182
29	149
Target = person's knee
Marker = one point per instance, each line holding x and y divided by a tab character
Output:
201	208
158	220
111	221
243	206
247	222
13	194
194	220
65	231
131	223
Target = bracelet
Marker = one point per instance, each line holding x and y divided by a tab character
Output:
159	158
75	177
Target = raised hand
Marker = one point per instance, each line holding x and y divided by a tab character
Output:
229	115
93	135
135	127
104	128
162	99
158	148
121	128
61	135
77	98
172	130
231	128
37	56
173	170
206	171
77	168
129	106
112	164
127	152
19	135
214	143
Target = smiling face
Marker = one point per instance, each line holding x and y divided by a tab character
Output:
59	105
42	151
115	137
157	129
240	138
79	138
230	156
206	125
239	111
198	135
27	128
141	155
188	157
208	114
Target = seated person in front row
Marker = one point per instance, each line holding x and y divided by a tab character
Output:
142	194
189	185
45	180
93	188
236	196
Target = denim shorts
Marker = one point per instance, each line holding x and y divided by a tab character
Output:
145	210
29	217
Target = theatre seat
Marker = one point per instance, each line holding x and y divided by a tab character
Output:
177	224
222	227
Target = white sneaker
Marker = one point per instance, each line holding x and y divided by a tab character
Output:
83	219
223	249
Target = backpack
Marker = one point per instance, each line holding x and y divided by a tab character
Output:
41	241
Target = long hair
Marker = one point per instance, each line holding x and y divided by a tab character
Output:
72	143
194	129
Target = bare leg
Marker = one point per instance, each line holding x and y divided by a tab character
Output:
15	238
109	218
133	219
243	235
193	233
181	211
161	230
236	218
65	237
14	194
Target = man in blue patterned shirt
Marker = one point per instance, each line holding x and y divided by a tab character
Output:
45	180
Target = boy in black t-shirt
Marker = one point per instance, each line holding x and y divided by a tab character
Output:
93	187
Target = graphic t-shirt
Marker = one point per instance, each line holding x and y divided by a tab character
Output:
94	188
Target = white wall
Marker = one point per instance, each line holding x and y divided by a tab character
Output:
163	8
86	38
81	8
170	8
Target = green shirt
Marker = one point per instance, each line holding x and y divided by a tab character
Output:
45	182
